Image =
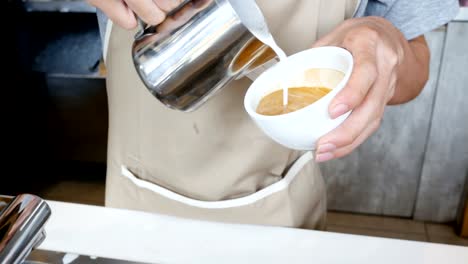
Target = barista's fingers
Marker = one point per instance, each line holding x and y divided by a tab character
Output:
345	134
355	129
346	150
362	78
117	11
147	10
168	5
362	42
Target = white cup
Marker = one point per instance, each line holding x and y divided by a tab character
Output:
301	129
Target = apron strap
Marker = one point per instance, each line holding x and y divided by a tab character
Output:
105	41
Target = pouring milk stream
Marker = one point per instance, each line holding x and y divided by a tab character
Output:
253	19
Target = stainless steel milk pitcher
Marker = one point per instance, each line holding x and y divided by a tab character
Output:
196	52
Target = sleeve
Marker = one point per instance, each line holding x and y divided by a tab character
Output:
414	17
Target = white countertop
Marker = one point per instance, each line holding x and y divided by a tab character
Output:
137	236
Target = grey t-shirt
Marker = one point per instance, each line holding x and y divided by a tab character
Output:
412	17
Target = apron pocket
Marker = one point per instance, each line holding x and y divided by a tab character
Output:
238	202
297	200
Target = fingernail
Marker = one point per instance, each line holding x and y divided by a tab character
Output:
324	157
339	110
324	148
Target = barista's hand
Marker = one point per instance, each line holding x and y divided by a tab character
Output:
388	69
122	12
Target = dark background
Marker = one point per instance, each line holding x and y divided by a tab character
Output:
54	109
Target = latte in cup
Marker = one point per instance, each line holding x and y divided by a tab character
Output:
315	77
312	86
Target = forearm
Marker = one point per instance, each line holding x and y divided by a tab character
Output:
413	71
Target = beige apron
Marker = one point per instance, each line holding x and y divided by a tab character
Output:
214	164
